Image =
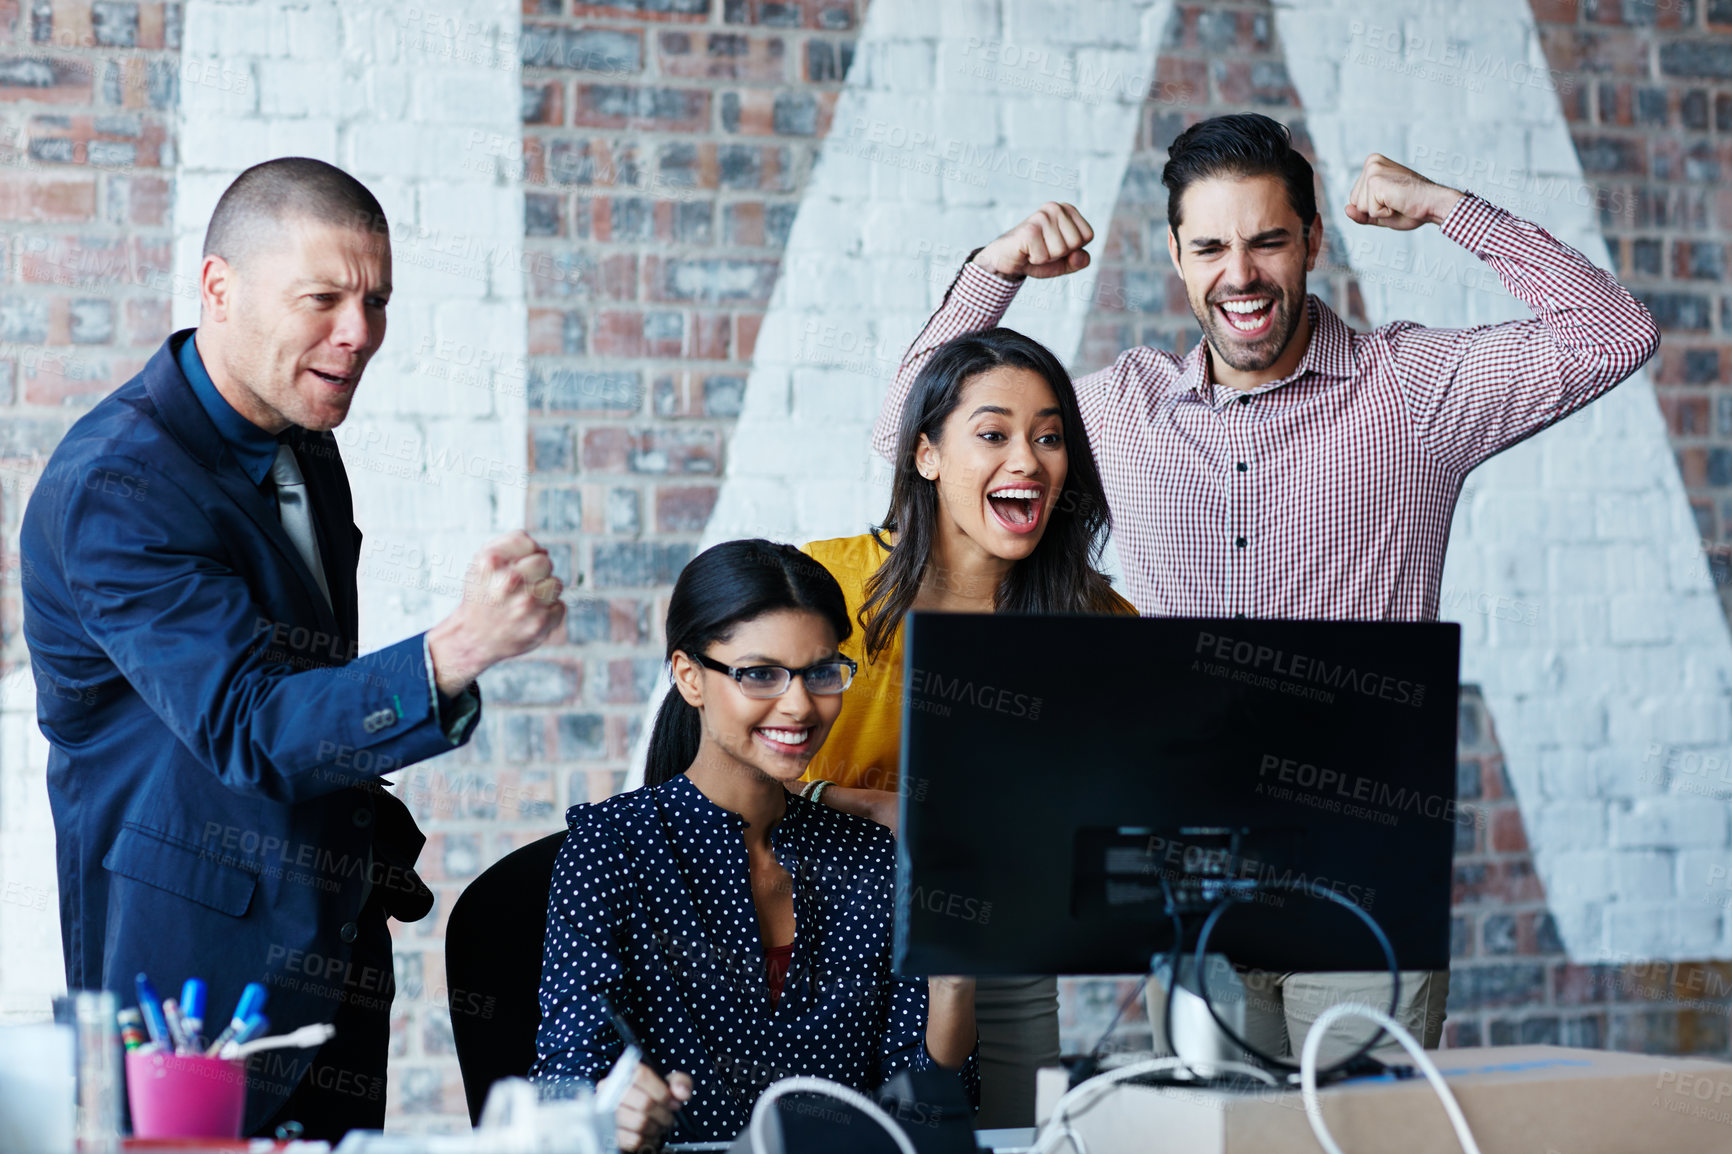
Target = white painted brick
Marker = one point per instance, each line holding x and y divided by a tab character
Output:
1568	825
1060	22
896	65
316	138
294	88
1642	619
224	142
1669	931
907	20
1581	874
1665	822
1645	875
461	97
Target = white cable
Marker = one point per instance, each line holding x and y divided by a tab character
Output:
1058	1126
1308	1072
808	1085
304	1038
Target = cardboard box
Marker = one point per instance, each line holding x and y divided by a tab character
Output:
1517	1100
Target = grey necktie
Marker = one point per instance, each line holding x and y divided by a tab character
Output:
296	513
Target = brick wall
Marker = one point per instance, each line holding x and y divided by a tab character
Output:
87	99
665	150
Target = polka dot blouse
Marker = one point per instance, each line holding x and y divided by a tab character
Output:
651	909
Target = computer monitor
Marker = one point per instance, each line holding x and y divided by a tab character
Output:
1056	771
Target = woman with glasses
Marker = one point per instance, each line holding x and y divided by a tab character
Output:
995	507
740	931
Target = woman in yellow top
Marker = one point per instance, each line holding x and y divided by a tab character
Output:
996	506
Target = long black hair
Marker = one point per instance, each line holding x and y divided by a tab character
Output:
725	586
1062	575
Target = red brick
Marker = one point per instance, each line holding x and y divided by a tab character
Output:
546	332
643	107
1686	416
1693	465
38	198
544	102
149	199
746	326
72	24
1507	833
66	378
45	79
829	15
618	335
152	25
685	11
684	508
722	56
743	224
89	260
708	336
605	449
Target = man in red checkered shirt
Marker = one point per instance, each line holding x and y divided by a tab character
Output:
1289	467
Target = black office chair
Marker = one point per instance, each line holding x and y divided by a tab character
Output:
493	946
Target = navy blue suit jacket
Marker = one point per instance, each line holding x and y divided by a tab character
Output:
215	744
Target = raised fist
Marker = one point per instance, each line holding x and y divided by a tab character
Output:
1049	243
1394	196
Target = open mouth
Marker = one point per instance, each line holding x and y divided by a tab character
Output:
785	740
1017	507
335	380
1249	317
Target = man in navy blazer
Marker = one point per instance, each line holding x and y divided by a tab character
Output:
215	739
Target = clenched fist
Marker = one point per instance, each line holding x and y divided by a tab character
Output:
1049	243
1397	197
510	605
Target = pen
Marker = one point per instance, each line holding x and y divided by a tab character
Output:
176	1034
256	1025
252	1002
131	1029
192	994
629	1037
151	1008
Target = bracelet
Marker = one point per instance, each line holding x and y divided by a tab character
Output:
815	795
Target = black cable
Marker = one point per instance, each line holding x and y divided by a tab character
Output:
1315	891
1173	960
1099	1050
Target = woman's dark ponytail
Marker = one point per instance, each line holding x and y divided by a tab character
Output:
674	741
722	587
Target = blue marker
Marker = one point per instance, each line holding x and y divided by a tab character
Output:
192	995
151	1007
256	1025
252	1002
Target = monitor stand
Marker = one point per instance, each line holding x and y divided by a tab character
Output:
1193	1034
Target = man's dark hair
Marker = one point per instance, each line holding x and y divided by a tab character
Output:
266	195
1237	146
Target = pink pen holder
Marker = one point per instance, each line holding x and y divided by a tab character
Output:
185	1096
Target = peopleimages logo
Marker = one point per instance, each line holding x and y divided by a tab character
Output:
1289	672
932	690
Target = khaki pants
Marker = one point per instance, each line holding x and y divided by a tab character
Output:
1018	1023
1280	1008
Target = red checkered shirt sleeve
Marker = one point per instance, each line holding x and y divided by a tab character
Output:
1475	392
975	300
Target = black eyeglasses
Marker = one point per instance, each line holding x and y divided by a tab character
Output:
823	677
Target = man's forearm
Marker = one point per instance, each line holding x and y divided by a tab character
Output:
976	300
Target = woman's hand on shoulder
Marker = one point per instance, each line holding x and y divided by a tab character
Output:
877	804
